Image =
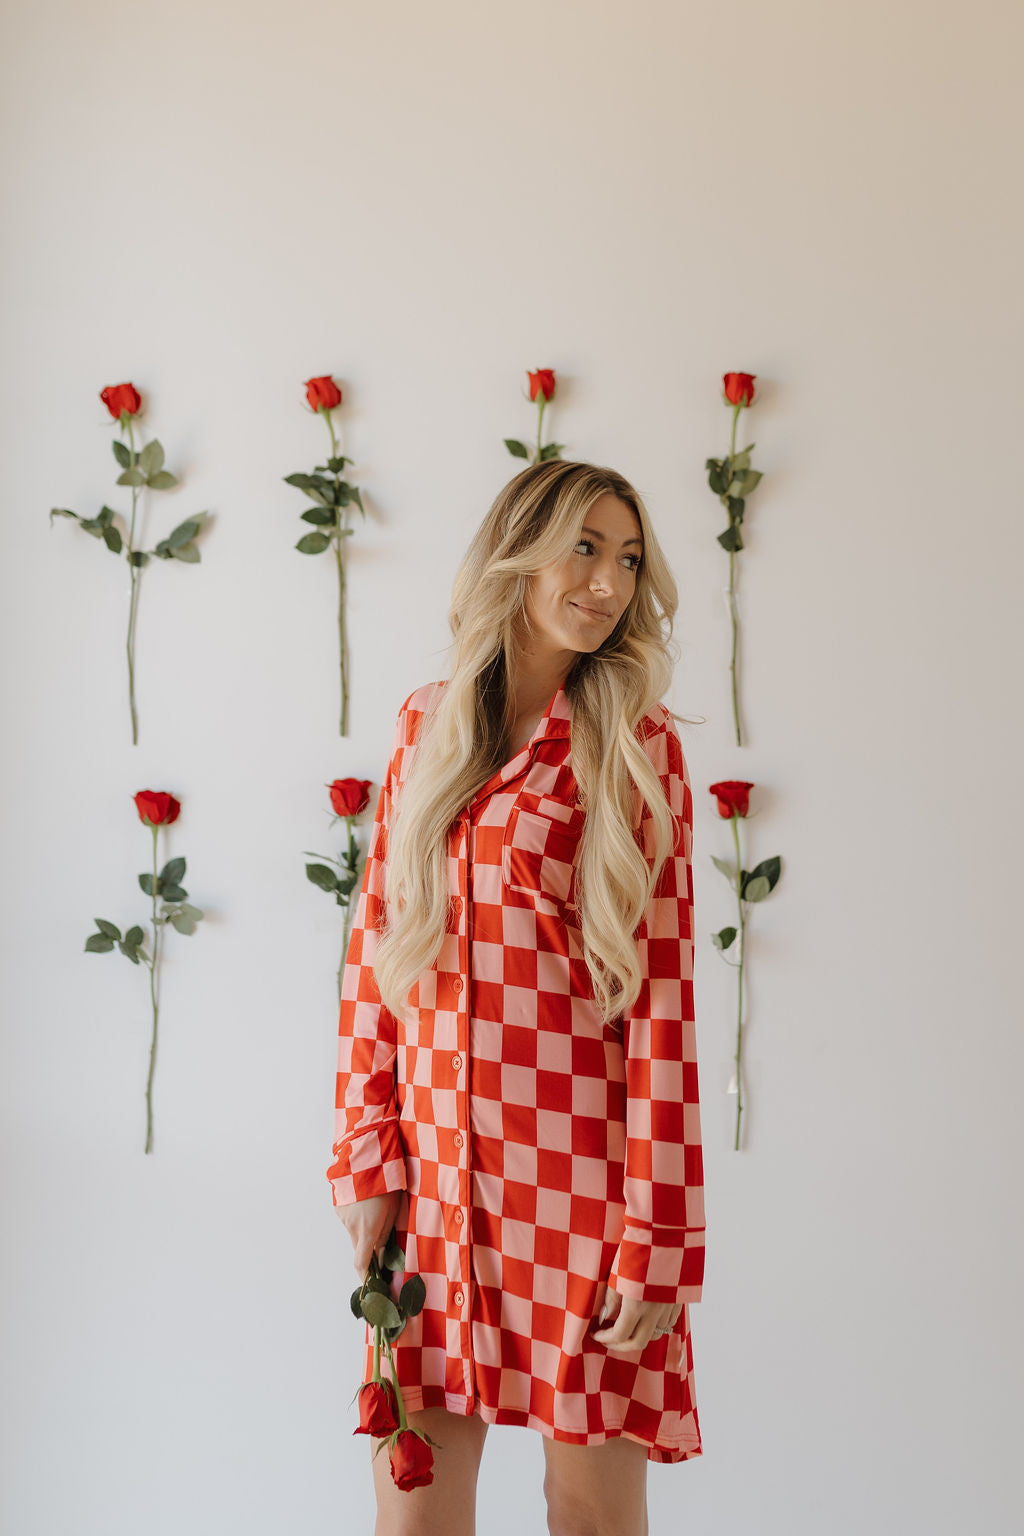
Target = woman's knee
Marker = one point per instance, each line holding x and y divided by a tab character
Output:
596	1490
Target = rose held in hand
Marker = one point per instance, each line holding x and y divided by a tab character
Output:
412	1461
378	1409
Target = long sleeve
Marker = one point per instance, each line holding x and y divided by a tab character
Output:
369	1158
661	1254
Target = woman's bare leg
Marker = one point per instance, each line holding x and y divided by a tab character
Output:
596	1490
447	1506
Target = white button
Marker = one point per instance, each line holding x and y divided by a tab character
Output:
456	1062
458	1298
458	1218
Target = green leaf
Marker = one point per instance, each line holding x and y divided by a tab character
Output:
131	477
189	553
110	929
173	870
112	539
195	912
391	1334
336	466
299	479
182	534
719	475
394	1258
135	935
151	459
322	517
412	1296
355	1301
762	880
323	878
550	451
358	500
128	950
146	882
98	944
171	892
182	922
105	515
313	543
727	869
62	512
139	557
380	1311
121	453
731	539
517	449
723	938
163	480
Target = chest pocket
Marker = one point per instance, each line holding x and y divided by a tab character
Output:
538	855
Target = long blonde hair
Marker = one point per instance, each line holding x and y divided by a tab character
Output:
535	520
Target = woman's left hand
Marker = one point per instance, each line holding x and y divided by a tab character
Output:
632	1324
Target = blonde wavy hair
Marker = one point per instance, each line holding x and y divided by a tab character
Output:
537	519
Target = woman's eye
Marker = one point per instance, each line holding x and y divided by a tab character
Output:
590	546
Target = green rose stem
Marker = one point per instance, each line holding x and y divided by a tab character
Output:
132	568
338	547
732	596
739	1004
402	1421
541	402
350	904
153	995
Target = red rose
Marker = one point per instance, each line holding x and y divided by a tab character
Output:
739	387
378	1409
412	1461
732	796
121	397
542	383
323	393
350	796
156	808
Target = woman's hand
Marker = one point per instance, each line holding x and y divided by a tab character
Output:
369	1223
632	1324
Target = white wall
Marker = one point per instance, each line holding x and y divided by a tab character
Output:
217	201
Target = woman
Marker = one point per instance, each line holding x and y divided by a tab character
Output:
517	1079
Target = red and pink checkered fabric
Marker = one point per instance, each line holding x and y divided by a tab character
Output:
542	1152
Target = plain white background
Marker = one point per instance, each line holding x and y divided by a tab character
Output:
217	201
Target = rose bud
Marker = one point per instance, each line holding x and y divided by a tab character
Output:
350	796
323	393
732	795
156	808
378	1409
739	387
120	398
412	1461
542	383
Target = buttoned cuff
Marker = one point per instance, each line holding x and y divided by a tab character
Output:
370	1162
663	1264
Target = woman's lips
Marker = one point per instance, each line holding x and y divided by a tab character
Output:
590	613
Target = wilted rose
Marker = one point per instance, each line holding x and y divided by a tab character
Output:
733	797
120	398
739	387
350	796
156	808
412	1461
378	1409
542	383
322	393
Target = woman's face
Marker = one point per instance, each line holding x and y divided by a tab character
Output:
575	604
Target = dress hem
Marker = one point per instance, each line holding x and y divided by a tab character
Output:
415	1398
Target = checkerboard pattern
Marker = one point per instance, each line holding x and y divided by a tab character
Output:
541	1152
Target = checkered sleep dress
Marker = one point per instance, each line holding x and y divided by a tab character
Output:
541	1153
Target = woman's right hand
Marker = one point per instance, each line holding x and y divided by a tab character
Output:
368	1223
